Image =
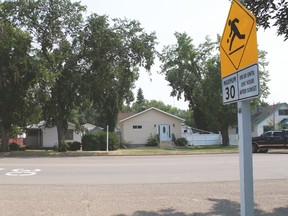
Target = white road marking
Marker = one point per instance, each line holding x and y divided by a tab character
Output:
23	172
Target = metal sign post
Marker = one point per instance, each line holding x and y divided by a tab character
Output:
107	139
245	158
246	161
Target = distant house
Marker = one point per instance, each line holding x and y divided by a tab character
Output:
269	118
38	135
92	128
135	129
264	118
189	129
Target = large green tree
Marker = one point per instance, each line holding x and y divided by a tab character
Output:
195	73
218	117
181	64
264	79
18	80
114	51
271	13
55	27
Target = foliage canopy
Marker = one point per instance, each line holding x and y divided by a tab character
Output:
271	13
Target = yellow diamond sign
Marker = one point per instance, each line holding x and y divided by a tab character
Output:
238	48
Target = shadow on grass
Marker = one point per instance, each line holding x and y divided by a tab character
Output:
221	207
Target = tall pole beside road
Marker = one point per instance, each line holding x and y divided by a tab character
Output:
107	139
245	158
240	83
246	161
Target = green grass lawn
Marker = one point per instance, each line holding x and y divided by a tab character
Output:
179	150
128	151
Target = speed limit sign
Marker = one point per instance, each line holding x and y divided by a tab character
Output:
230	89
242	85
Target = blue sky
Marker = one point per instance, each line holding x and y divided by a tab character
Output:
198	18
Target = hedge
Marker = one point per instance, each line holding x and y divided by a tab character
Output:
96	141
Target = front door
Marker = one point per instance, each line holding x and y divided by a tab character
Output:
164	132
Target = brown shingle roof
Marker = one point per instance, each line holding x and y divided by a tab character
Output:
122	116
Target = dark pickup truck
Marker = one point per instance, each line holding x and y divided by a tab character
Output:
270	140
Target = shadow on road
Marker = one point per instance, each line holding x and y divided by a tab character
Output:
221	207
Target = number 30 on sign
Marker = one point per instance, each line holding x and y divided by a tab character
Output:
230	88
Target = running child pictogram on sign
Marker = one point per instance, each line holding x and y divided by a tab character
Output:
233	33
238	48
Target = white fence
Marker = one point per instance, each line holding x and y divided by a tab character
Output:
203	139
234	139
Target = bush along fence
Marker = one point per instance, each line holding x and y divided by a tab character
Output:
98	141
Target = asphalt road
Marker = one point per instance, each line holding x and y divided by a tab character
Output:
203	185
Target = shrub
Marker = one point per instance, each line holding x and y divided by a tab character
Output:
14	146
96	141
114	141
74	146
89	142
152	141
61	147
181	141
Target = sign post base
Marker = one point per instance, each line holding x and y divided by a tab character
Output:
246	163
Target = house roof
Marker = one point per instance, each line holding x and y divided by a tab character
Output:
284	122
149	109
196	130
90	127
122	116
42	124
261	113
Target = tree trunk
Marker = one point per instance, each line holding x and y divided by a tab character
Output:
225	136
4	138
60	131
111	121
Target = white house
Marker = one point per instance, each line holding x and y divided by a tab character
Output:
264	118
137	128
37	135
269	118
92	128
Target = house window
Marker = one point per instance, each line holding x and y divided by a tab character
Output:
267	128
283	112
69	134
137	126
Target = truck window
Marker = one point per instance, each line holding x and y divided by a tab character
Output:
277	134
267	134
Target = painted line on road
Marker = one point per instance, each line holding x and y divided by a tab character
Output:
23	172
